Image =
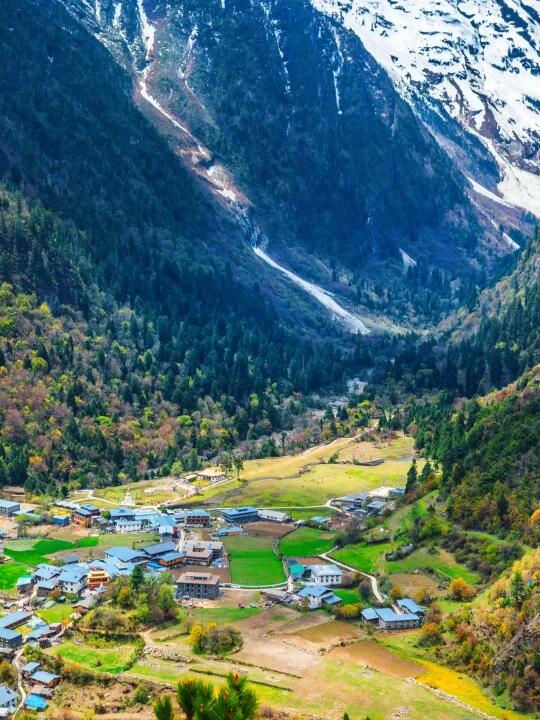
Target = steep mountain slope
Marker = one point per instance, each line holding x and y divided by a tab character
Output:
498	638
490	454
476	62
151	311
288	119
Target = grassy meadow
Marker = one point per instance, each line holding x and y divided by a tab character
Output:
370	558
306	541
253	562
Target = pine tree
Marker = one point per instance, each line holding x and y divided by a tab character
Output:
137	578
517	589
412	479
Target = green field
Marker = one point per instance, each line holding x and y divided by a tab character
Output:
113	658
369	558
40	549
223	615
348	596
253	561
319	484
10	572
306	541
57	613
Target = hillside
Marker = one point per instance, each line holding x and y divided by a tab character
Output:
286	118
499	637
152	306
489	450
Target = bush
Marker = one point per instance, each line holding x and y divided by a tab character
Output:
214	639
461	590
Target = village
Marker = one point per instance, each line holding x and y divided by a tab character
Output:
189	546
296	579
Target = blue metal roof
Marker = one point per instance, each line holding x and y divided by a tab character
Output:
239	511
7	696
369	614
14	618
125	554
388	615
332	599
38	633
72	575
410	605
313	591
9	504
170	556
44	677
30	667
160	548
25	580
376	504
6	634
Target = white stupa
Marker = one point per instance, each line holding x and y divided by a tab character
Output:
128	500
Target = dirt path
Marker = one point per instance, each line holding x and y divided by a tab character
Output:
373	580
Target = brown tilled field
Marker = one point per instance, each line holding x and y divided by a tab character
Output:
269	529
369	653
410	583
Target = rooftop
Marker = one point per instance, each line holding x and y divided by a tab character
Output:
7	696
328	569
313	591
160	548
15	618
199	578
41	676
35	702
410	605
125	554
30	667
9	504
388	615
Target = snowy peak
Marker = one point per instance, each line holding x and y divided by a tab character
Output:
475	60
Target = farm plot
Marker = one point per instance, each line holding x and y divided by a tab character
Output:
106	657
369	653
253	561
306	541
370	558
268	529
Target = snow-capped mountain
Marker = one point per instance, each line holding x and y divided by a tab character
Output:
476	61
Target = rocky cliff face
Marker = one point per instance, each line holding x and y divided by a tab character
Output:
465	65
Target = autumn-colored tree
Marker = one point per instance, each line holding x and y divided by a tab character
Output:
461	590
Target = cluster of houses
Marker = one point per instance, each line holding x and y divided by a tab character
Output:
74	576
372	503
404	614
135	520
40	685
11	639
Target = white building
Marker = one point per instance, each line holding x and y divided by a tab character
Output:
326	575
274	516
127	526
73	580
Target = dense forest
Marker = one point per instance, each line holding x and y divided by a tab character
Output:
130	338
92	393
497	639
490	454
